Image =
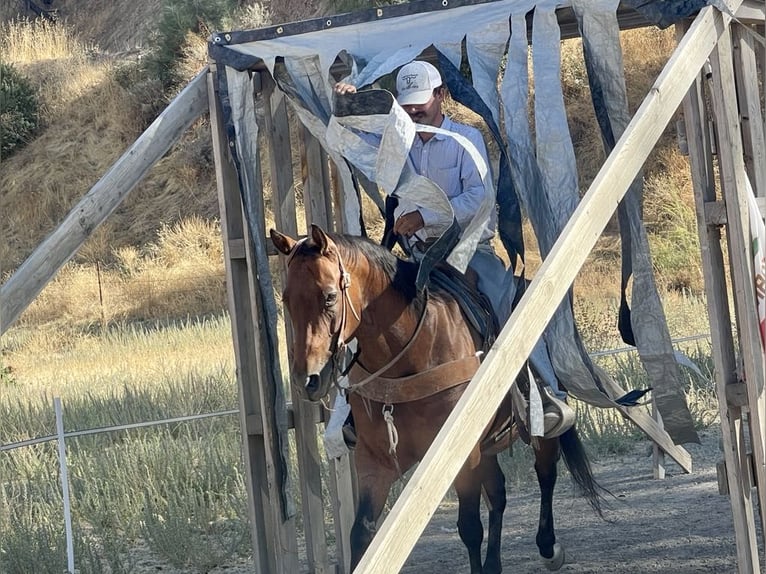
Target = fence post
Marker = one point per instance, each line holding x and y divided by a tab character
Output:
64	484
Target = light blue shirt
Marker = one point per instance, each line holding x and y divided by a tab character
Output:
445	162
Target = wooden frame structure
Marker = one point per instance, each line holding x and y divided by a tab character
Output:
708	94
399	532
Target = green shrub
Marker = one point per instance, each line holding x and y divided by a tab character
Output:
178	19
18	110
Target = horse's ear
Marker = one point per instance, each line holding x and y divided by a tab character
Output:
320	238
282	242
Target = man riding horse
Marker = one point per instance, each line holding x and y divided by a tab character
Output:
445	161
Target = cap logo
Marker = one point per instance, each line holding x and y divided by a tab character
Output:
410	81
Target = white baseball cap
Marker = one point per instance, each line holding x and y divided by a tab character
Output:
415	83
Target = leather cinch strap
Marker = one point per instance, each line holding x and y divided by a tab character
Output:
414	387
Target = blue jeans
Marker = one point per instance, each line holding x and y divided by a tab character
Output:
499	285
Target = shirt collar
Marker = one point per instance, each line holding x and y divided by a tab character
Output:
447	124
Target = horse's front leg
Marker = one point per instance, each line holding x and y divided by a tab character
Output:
374	485
468	487
546	459
493	481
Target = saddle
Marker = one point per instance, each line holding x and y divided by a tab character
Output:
475	306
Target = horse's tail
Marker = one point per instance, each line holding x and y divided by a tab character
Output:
578	464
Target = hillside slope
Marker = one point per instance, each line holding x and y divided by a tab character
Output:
94	109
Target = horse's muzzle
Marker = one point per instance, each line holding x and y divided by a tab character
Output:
314	386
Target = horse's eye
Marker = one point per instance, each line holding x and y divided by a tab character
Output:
331	299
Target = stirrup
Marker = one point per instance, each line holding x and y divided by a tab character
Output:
558	416
349	435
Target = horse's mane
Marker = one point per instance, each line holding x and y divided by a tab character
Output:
400	273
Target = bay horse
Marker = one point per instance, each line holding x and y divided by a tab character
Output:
416	354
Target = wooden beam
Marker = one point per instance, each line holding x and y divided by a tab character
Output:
273	535
746	76
251	421
729	389
461	431
751	12
317	194
316	180
283	200
733	185
101	201
652	428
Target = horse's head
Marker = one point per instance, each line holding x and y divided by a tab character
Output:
317	299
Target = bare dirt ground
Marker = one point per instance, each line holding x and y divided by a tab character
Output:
680	524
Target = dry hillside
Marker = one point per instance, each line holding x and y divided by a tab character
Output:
93	110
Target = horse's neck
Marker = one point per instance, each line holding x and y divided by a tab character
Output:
387	325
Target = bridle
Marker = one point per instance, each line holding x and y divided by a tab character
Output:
339	344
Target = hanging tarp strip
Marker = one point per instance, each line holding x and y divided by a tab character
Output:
541	167
648	327
664	13
547	205
237	98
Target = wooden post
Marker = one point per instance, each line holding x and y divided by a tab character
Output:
746	74
723	351
274	538
101	201
317	202
732	174
283	201
316	181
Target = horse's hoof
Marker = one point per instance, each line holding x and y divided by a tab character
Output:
557	560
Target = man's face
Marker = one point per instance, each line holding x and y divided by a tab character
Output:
430	113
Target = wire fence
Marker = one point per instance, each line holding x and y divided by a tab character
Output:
61	437
99	430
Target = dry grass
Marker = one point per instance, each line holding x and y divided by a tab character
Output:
93	112
24	41
178	274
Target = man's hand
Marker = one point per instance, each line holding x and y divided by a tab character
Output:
343	88
409	223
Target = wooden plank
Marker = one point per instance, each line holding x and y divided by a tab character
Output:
264	534
658	454
413	509
754	150
317	194
732	175
723	350
101	201
652	428
283	198
746	76
316	180
751	12
343	488
715	212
